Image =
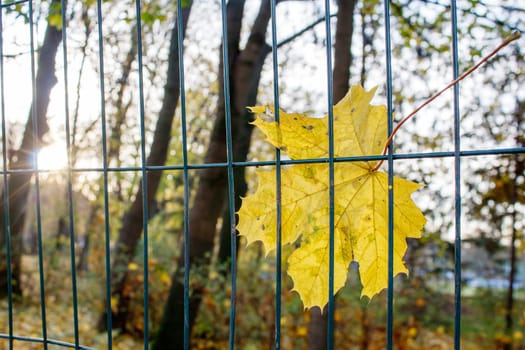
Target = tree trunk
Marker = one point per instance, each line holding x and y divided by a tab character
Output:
91	227
247	73
317	328
343	48
18	183
61	234
133	219
211	196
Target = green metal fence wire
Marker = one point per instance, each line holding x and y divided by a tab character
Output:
389	106
144	171
230	165
330	102
229	158
185	176
278	221
37	188
107	248
6	202
457	183
72	229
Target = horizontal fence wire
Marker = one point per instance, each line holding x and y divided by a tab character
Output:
14	3
230	165
200	166
44	342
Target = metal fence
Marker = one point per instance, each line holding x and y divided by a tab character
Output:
14	340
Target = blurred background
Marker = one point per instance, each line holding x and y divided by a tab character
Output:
66	118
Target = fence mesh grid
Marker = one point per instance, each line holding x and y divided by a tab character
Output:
457	154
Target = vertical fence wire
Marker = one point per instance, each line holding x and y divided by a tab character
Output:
331	224
107	232
185	175
278	248
144	171
7	224
229	160
390	269
457	154
36	147
69	174
457	182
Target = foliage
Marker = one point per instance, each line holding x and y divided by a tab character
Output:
422	315
55	15
421	53
360	201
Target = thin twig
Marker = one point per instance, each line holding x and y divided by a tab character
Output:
302	31
515	35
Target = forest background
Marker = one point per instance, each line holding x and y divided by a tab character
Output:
91	219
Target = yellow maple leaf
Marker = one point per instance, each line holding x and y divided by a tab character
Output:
360	199
360	129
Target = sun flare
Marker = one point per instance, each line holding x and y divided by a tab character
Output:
53	157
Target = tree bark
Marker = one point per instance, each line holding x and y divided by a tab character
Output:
91	227
248	73
133	219
211	196
317	328
343	47
18	183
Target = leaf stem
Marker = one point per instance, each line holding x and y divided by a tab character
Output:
515	35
